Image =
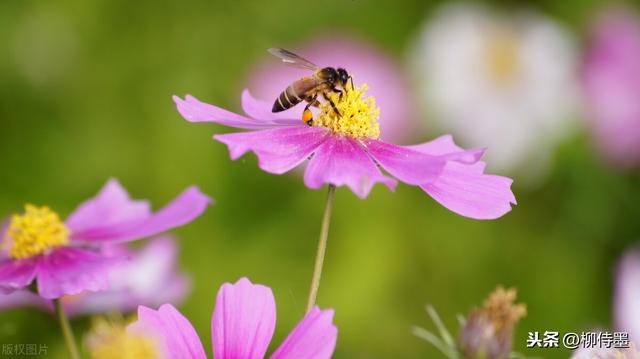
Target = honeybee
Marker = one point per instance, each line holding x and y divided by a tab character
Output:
323	81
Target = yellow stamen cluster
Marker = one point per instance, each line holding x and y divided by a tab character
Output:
502	58
110	340
35	231
358	115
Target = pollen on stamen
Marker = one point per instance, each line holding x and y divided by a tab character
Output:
109	339
358	115
36	231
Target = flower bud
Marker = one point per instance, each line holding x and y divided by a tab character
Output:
488	332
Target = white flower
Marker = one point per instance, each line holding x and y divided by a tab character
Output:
503	81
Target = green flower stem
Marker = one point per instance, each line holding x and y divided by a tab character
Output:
66	330
322	247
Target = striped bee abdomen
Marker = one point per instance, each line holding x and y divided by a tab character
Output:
287	99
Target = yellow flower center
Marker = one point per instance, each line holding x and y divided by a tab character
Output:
35	231
358	115
501	57
110	340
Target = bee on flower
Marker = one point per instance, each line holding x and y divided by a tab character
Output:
343	148
366	62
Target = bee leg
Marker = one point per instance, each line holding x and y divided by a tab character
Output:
333	105
335	89
351	80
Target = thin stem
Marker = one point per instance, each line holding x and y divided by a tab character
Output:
66	330
322	247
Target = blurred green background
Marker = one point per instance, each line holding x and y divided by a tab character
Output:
85	95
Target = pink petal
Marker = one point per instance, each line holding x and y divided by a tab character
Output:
342	161
137	224
16	274
243	321
171	330
194	110
71	271
313	338
439	146
405	164
278	150
627	295
112	205
24	298
151	274
463	187
444	146
465	190
148	278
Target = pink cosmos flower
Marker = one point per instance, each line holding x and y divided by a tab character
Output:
611	77
346	151
149	277
242	326
67	258
366	63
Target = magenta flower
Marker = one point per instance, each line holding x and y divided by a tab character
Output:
69	257
367	63
612	86
242	326
149	277
346	151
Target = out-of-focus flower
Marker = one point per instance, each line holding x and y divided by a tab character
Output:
626	310
67	258
242	326
108	339
612	85
607	353
488	332
627	295
149	277
345	150
507	82
366	63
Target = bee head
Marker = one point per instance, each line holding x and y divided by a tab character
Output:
343	76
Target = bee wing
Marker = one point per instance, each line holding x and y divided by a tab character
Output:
292	59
